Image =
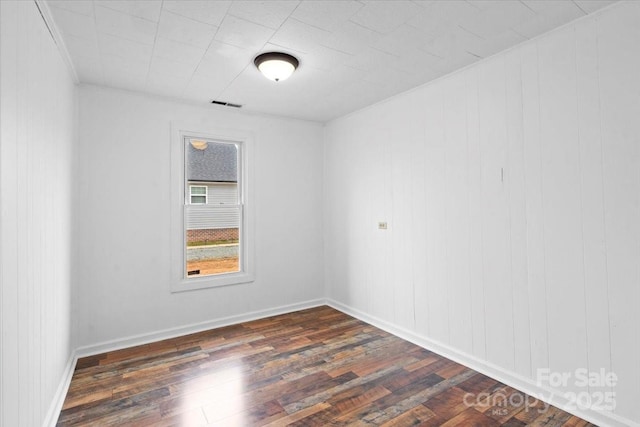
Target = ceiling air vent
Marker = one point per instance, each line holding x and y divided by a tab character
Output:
226	104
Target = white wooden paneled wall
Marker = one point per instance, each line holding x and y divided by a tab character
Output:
36	133
512	193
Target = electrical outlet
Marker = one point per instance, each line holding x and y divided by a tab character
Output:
382	225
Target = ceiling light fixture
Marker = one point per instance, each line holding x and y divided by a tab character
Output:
276	66
199	144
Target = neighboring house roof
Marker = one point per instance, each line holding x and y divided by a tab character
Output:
216	163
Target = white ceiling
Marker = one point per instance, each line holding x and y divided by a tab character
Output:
352	53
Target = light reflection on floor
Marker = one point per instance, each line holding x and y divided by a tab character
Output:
220	397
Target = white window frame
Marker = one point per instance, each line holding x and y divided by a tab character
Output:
180	282
206	194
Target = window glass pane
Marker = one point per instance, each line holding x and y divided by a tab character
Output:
213	229
198	190
214	248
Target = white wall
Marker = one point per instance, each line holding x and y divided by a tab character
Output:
124	241
512	192
37	115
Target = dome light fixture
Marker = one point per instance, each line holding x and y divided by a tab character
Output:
199	144
276	66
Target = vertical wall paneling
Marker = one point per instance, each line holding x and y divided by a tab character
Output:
24	291
523	203
369	156
495	214
619	67
380	210
400	169
419	242
515	187
435	190
595	248
387	289
373	152
563	206
534	205
404	130
357	207
331	221
456	204
36	143
476	291
2	333
8	195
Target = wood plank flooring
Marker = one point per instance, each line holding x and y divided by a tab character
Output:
313	367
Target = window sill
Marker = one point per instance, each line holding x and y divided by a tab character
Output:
213	281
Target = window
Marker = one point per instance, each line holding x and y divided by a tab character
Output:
212	220
198	194
212	170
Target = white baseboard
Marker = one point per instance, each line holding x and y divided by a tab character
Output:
61	393
147	338
526	385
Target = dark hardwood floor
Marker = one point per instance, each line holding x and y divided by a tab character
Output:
313	367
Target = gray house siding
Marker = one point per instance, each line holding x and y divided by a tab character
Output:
222	193
215	215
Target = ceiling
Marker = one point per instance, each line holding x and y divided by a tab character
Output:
352	53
